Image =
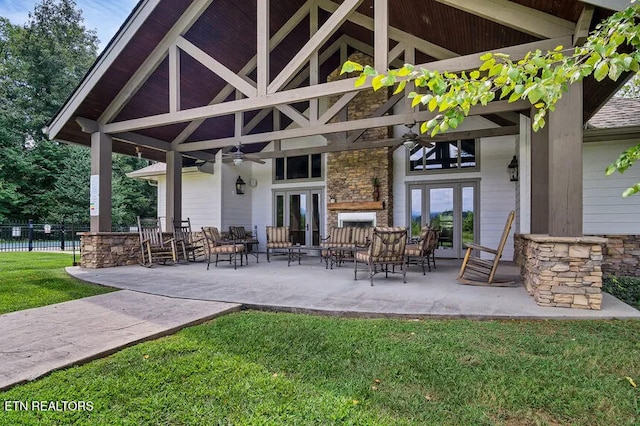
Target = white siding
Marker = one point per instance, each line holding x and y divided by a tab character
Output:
605	211
236	209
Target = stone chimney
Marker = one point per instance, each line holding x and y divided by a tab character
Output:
350	174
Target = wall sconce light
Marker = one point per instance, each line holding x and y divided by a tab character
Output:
512	168
240	185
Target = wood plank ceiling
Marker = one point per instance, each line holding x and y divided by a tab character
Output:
227	32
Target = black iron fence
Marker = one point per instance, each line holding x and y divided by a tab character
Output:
30	236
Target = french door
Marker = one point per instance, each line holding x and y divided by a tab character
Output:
300	210
450	207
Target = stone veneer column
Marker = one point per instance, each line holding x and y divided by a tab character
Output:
108	249
562	271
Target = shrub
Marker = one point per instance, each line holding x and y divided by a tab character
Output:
626	289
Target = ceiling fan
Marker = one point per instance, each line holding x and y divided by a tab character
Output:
410	139
238	157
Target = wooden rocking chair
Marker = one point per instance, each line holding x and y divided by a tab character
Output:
153	247
477	271
191	245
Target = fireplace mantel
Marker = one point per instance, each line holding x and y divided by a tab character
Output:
357	205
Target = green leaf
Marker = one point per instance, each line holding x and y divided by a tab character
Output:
632	190
360	80
601	71
433	104
350	66
369	71
376	82
486	56
474	74
400	87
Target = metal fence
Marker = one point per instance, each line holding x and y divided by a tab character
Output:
30	236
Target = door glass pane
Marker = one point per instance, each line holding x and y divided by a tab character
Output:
416	212
279	210
315	222
441	215
467	215
298	217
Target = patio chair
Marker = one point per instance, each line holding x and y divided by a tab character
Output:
215	245
277	238
249	240
189	244
477	271
423	250
385	251
153	247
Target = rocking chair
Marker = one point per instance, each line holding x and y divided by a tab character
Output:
153	247
477	271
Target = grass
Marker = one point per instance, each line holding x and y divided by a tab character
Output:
32	279
274	369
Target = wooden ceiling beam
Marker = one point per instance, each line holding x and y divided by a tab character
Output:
321	90
239	82
188	18
516	16
250	66
315	42
366	123
470	134
583	25
364	21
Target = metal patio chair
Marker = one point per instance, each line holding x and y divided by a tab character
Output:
423	250
278	238
215	245
385	252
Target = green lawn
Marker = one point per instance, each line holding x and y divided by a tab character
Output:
32	279
274	369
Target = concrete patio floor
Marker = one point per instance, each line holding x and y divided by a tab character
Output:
310	287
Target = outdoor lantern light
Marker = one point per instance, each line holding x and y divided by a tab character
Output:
513	169
240	186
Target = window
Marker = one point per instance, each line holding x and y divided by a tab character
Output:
448	156
299	167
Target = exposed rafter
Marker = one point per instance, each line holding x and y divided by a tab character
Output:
514	15
306	93
319	38
364	21
480	133
387	120
152	61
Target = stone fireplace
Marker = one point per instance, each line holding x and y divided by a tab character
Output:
351	174
362	219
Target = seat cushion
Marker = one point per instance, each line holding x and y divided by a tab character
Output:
279	245
228	248
413	250
361	236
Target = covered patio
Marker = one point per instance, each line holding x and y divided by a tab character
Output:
310	288
242	88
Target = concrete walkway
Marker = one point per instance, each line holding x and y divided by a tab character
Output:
38	341
310	287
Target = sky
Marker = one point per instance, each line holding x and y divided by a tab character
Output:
104	16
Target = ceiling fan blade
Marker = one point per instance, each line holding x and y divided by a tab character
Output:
254	159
